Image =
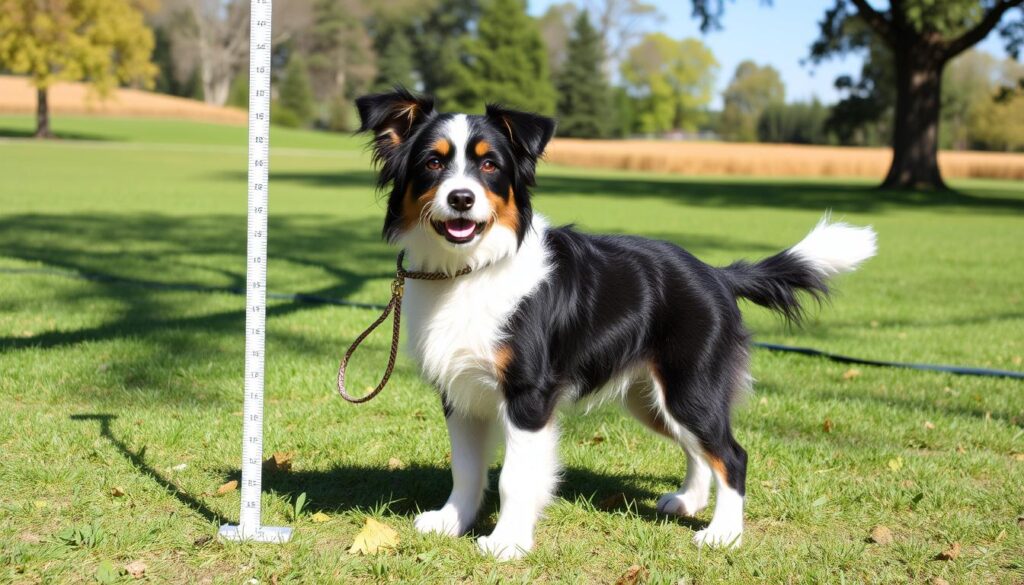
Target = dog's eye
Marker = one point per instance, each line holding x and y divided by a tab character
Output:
435	164
488	166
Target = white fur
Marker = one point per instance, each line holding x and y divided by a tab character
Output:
527	484
832	248
473	442
455	326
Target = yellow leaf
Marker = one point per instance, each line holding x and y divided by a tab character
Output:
319	518
40	504
851	374
228	487
896	464
373	538
395	464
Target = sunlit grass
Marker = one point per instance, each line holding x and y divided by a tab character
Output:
112	384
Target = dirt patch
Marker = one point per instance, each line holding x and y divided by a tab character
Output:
18	96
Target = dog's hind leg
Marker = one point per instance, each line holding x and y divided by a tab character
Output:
473	442
699	404
644	403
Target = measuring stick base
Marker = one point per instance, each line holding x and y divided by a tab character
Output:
275	534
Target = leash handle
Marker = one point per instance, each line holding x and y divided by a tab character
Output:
397	291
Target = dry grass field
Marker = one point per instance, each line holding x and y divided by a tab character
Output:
675	157
17	96
767	160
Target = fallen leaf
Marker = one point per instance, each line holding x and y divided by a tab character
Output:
851	374
907	483
950	554
319	518
117	492
613	502
632	576
881	535
179	467
596	439
827	425
395	464
279	461
202	540
1018	456
135	569
106	573
373	538
764	400
960	449
29	538
1001	535
895	464
40	504
938	581
929	425
227	487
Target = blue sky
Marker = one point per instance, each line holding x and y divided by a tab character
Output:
779	35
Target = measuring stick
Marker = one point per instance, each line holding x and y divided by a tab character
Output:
249	526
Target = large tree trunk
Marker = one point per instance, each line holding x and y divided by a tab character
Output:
43	114
915	140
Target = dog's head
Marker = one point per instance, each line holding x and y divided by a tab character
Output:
459	184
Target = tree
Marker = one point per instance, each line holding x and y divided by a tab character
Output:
618	22
438	31
671	81
295	93
395	56
504	62
795	123
584	99
555	28
752	89
338	50
104	42
922	36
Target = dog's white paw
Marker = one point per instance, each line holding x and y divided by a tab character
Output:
682	503
717	536
444	521
505	548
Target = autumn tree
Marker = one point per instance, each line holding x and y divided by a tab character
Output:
671	82
104	42
921	36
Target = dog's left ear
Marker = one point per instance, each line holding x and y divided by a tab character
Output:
393	117
530	133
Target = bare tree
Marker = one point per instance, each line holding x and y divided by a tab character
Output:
619	23
212	36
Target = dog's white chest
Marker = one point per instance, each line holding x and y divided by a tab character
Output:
455	328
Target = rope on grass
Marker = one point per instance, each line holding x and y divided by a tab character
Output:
322	300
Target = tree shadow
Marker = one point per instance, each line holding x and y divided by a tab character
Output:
58	135
138	460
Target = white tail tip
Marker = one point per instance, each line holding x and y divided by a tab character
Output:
832	248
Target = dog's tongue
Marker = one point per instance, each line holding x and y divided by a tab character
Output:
459	228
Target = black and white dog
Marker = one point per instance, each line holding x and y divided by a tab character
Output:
550	316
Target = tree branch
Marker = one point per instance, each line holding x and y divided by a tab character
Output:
876	21
980	30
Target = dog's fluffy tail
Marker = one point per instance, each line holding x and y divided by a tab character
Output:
830	249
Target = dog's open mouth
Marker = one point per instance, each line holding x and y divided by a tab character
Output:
459	231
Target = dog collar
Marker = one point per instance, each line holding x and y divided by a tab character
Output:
397	292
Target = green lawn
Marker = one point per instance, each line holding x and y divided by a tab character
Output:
113	383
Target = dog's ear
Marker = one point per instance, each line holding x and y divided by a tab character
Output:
393	117
529	133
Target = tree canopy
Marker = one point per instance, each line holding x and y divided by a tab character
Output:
752	89
584	96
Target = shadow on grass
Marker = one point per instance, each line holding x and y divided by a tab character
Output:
58	135
138	461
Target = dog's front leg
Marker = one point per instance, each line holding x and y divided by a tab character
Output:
528	479
473	441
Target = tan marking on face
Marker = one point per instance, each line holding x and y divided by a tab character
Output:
412	207
482	148
718	465
502	358
443	147
505	212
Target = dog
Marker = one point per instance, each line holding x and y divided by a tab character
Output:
549	315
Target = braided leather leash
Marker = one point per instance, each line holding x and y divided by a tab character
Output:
397	291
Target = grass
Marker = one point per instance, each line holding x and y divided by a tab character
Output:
117	384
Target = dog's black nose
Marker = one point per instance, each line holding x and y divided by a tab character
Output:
461	199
